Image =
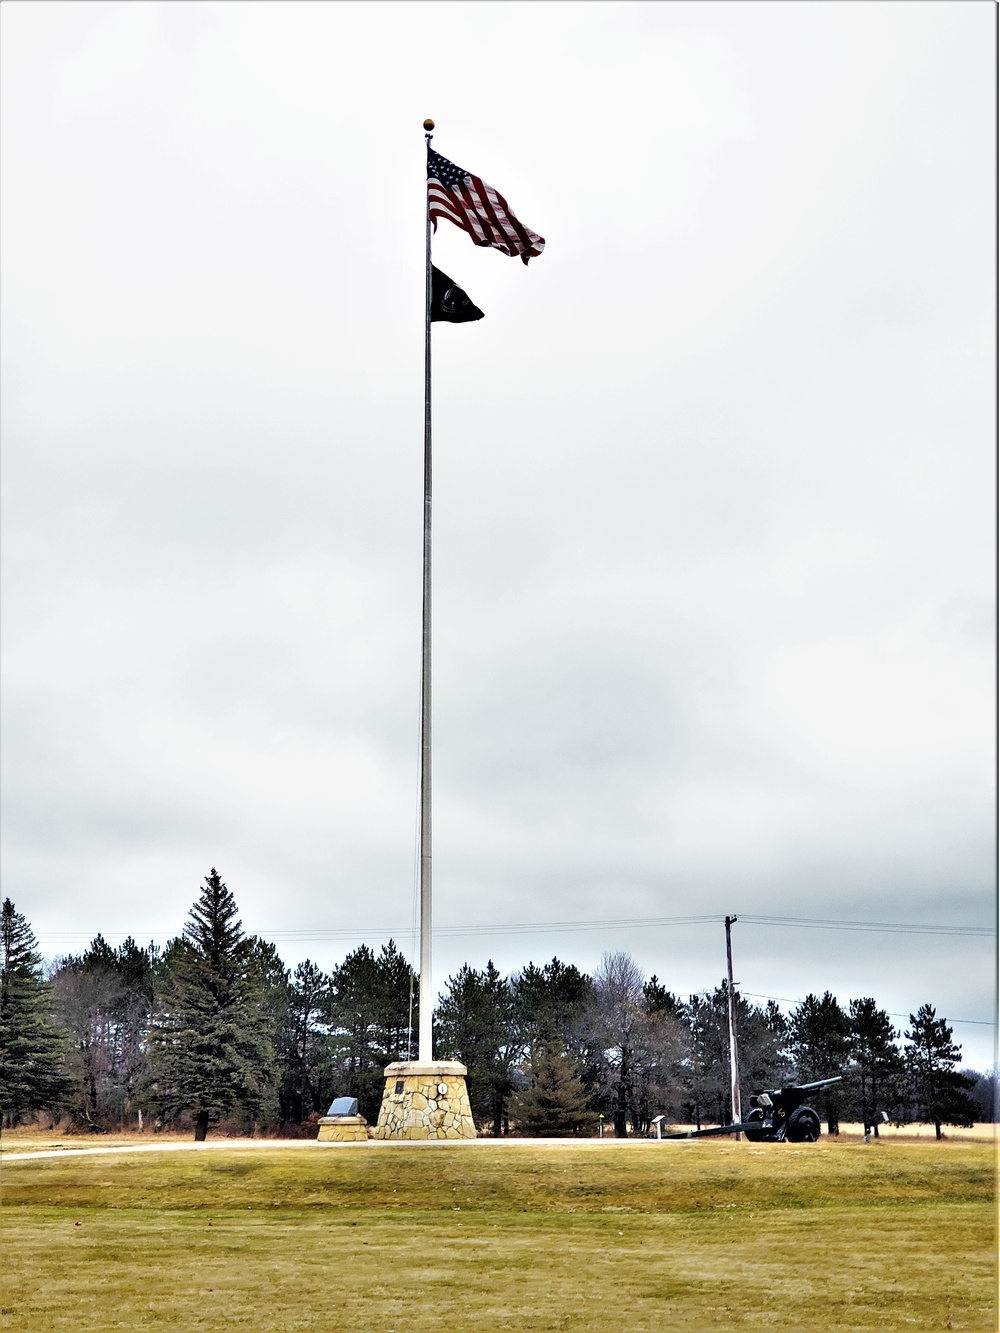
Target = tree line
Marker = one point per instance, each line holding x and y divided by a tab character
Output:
213	1029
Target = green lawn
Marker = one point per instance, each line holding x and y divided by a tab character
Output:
709	1235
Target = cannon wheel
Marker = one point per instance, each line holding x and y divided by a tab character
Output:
755	1135
803	1126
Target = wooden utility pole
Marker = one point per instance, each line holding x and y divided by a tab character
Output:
734	1064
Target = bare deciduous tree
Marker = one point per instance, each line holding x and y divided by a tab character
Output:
640	1047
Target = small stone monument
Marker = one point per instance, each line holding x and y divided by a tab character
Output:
425	1100
342	1124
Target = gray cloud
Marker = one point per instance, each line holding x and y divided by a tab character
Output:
713	524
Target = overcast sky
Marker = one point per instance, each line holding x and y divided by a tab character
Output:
714	484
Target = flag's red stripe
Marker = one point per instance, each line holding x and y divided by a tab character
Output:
459	219
439	195
470	218
526	242
445	211
474	190
480	225
503	238
499	210
457	211
478	209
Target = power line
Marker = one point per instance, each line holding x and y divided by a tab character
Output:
319	934
783	999
898	928
551	927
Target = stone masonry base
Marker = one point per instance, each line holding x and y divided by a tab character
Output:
425	1101
343	1129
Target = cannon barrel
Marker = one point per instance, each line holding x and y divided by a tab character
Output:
799	1090
820	1083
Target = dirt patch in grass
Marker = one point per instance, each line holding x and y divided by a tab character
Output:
829	1237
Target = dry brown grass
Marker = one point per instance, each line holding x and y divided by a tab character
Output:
709	1235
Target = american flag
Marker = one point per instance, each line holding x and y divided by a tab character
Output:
455	194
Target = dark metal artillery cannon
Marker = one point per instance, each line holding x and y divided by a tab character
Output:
777	1116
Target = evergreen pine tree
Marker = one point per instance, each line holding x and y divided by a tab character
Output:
706	1072
32	1048
985	1092
659	1000
940	1094
476	1022
396	983
210	1040
876	1068
819	1033
761	1039
368	1009
303	1049
555	1103
354	1014
560	992
270	979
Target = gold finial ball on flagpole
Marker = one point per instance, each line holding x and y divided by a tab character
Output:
428	124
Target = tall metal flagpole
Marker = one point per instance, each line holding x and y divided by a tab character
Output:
423	1098
425	1052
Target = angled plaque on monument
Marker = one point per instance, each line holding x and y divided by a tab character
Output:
342	1124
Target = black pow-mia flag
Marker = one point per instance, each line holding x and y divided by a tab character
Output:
449	302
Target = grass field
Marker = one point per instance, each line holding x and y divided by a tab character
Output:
646	1237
